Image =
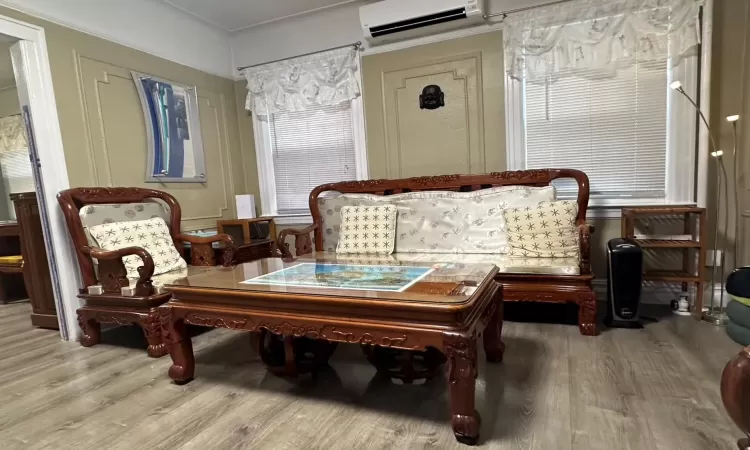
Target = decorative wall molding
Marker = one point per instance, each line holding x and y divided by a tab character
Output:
465	68
100	151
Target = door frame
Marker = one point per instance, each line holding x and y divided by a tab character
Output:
53	168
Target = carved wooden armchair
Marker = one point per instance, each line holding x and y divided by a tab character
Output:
109	295
562	281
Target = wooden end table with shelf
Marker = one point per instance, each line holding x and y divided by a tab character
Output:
448	310
693	249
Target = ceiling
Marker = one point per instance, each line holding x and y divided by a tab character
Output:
6	66
234	15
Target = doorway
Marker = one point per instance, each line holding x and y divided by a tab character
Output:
35	163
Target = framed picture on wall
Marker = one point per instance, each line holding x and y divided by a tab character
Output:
173	131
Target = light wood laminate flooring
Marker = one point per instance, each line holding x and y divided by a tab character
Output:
656	388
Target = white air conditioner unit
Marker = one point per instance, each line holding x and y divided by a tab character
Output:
390	20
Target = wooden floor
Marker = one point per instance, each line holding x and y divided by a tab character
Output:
655	388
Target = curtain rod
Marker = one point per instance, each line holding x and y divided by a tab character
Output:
357	45
526	8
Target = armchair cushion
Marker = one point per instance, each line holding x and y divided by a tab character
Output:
547	230
367	229
151	234
92	215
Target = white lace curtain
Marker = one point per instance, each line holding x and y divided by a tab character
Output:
12	135
545	43
325	78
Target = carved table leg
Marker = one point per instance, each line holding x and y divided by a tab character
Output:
180	347
92	330
152	330
291	356
405	365
494	347
461	351
587	314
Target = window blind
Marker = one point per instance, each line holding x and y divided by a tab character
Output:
310	148
614	128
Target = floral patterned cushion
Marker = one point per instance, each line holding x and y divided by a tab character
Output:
546	230
92	215
151	234
440	221
367	229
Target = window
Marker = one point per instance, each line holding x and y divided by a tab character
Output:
628	131
300	150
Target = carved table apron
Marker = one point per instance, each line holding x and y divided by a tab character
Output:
453	329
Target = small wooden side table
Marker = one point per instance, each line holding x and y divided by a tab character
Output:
694	220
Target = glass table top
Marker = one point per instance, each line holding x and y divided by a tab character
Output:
404	277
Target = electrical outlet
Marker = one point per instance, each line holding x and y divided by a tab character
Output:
710	258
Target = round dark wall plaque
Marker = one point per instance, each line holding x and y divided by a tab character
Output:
432	97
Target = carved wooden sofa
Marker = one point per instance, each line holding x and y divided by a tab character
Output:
566	280
109	295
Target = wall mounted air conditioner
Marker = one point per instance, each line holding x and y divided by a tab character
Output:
390	20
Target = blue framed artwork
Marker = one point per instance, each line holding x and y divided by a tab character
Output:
173	131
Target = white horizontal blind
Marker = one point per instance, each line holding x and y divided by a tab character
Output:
614	128
310	148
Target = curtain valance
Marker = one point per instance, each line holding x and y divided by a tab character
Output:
544	43
325	78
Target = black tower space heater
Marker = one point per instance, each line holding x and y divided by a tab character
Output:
624	278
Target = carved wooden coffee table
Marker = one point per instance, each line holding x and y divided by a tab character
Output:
298	314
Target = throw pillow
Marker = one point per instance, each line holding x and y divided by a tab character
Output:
152	234
367	229
547	230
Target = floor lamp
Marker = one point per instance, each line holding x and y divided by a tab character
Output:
715	315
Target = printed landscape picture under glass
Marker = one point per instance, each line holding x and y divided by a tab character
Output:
175	148
345	276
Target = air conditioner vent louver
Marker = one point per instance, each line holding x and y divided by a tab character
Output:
394	20
418	22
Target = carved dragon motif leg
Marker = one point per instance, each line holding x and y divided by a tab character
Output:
587	314
180	347
494	347
461	351
92	330
151	325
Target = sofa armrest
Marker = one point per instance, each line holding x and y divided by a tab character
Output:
584	241
202	252
302	241
143	286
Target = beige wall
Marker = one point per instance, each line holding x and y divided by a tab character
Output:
9	101
103	129
465	136
247	142
730	94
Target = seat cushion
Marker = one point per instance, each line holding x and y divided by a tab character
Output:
440	221
738	333
739	313
546	230
506	264
153	235
738	285
367	229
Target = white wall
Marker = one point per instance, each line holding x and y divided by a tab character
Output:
316	31
147	25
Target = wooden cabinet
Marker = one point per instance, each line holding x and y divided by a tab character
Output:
36	272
